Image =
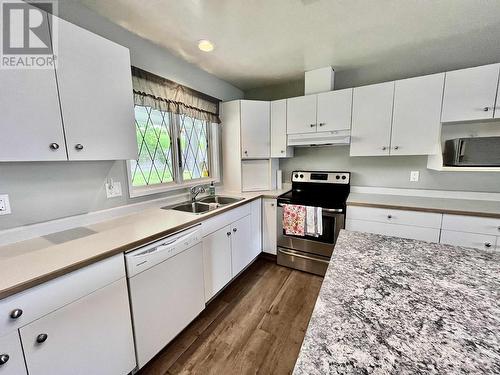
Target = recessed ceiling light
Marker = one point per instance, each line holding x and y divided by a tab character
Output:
205	45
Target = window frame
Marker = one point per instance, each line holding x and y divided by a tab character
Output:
214	163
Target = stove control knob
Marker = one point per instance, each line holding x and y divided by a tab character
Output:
301	176
337	177
343	177
296	175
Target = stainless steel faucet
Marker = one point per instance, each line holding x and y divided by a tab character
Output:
195	190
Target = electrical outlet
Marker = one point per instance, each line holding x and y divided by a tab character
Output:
414	176
113	189
4	205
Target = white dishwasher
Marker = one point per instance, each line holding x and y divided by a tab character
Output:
166	289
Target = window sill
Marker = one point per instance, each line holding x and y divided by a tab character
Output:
162	188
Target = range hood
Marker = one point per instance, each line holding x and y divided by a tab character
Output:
333	138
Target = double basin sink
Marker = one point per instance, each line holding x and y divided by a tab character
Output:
205	204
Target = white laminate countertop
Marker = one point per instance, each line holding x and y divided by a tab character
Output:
28	263
469	207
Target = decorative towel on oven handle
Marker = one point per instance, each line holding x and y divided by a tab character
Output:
314	221
302	220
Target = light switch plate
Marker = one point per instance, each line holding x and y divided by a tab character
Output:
113	189
414	176
4	205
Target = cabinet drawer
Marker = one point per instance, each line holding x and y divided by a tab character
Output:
45	298
389	216
215	223
477	241
472	224
10	348
396	230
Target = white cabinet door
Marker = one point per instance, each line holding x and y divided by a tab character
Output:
269	226
255	129
279	148
216	261
301	115
334	110
416	125
469	94
256	228
92	335
30	120
11	355
372	119
396	230
241	244
95	87
474	240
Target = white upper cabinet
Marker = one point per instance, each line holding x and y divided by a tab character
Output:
371	119
95	88
416	119
279	148
334	110
301	115
255	129
469	94
30	121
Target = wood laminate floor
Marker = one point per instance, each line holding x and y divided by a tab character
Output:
255	326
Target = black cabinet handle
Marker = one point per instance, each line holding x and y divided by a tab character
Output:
234	230
54	146
16	313
4	358
228	233
79	147
41	338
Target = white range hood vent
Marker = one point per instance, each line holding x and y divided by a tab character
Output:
333	138
319	80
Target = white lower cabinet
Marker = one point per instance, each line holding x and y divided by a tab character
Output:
232	240
217	261
269	226
424	226
11	355
475	240
396	230
242	251
78	323
92	335
470	231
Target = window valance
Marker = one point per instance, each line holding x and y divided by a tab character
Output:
154	91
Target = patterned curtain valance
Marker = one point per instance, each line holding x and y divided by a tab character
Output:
153	91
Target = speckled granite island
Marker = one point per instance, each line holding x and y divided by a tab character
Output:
395	306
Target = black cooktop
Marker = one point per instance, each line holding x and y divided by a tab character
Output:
319	189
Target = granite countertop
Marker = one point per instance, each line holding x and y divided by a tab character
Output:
472	207
28	263
396	306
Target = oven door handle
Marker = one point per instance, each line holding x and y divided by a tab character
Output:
336	210
302	256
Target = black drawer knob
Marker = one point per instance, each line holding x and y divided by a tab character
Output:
16	313
4	358
41	338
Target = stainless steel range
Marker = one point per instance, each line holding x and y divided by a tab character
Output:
328	190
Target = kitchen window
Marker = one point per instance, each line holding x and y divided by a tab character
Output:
178	147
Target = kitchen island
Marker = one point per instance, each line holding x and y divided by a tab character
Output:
397	306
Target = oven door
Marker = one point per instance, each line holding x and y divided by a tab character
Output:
333	222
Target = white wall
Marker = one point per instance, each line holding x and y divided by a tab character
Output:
50	190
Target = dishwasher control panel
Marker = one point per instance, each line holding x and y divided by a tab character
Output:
157	252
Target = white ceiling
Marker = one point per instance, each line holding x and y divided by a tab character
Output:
264	42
